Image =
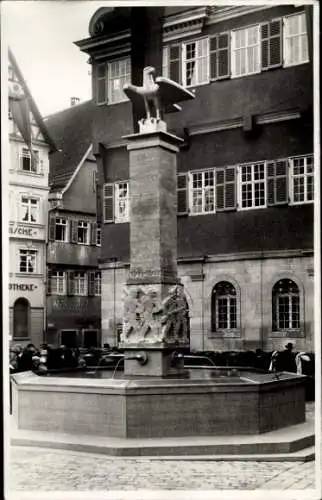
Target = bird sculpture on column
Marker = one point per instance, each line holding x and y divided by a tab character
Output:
158	94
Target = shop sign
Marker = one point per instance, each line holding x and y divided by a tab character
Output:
24	232
21	287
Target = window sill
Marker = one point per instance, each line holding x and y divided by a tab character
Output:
28	224
223	334
290	333
31	174
25	274
233	77
296	203
291	65
19	339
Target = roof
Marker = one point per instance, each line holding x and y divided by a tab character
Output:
72	131
32	104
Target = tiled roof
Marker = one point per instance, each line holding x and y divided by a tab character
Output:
72	131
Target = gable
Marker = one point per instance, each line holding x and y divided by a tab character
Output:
27	121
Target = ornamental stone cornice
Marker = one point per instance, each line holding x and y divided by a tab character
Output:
187	23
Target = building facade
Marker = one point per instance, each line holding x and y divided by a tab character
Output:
245	169
74	237
30	145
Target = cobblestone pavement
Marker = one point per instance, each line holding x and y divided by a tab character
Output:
47	470
41	469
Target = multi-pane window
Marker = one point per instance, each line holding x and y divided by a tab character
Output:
83	232
252	185
58	282
119	73
98	235
60	229
286	305
29	209
224	307
295	40
202	192
97	283
302	179
195	62
245	51
80	283
110	79
28	163
122	202
27	261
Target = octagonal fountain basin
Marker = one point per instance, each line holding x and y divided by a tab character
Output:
208	403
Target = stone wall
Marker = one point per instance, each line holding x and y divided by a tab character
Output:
253	280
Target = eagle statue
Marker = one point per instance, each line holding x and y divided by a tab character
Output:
159	94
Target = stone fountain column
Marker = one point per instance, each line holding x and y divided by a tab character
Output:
156	315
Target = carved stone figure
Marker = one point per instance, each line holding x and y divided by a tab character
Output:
148	320
175	319
157	93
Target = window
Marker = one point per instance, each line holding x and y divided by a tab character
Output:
97	283
80	283
27	261
29	209
60	229
195	62
58	282
110	79
82	232
21	314
202	193
295	40
28	163
252	185
119	73
98	235
245	51
286	305
224	307
122	202
302	180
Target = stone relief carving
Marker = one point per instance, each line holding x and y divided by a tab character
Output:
149	320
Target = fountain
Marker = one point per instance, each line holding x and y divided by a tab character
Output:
157	397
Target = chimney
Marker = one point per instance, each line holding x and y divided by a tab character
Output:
74	101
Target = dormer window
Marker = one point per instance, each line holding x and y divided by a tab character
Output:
110	79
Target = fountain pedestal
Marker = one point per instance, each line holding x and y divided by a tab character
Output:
156	315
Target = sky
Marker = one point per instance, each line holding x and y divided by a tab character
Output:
41	35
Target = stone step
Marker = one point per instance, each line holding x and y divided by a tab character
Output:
295	442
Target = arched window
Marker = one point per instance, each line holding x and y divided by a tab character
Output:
21	311
286	305
224	307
